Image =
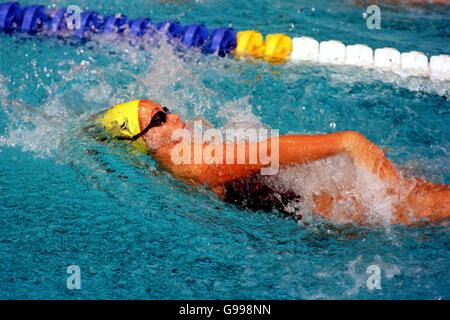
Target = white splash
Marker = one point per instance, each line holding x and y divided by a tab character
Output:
354	190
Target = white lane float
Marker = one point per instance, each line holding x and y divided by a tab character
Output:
332	51
387	58
440	67
415	63
305	49
359	55
412	63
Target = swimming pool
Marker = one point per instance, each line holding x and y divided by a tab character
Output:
136	232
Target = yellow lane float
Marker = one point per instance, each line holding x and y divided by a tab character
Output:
278	48
249	43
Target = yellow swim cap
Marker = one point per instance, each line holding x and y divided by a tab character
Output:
122	121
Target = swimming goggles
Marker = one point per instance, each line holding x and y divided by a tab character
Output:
157	120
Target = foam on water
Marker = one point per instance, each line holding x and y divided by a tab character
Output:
414	84
356	191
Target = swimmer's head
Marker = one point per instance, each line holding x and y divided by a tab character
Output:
145	123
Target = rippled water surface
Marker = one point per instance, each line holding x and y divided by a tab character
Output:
136	232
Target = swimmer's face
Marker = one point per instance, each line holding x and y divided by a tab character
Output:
161	134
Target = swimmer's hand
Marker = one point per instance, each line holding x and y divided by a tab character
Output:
307	148
426	202
369	156
418	200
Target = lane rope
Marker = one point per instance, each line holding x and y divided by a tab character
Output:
274	48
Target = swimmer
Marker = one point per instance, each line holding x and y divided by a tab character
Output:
149	127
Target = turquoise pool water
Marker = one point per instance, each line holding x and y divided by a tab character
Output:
135	232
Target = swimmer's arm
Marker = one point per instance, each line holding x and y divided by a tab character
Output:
293	150
206	170
301	149
426	201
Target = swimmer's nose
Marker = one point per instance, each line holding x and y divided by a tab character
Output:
173	118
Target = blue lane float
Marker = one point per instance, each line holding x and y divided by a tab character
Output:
222	42
37	19
9	16
33	19
173	29
195	35
91	22
139	27
58	21
115	24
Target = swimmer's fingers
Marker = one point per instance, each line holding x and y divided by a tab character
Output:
428	201
323	205
368	155
341	209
